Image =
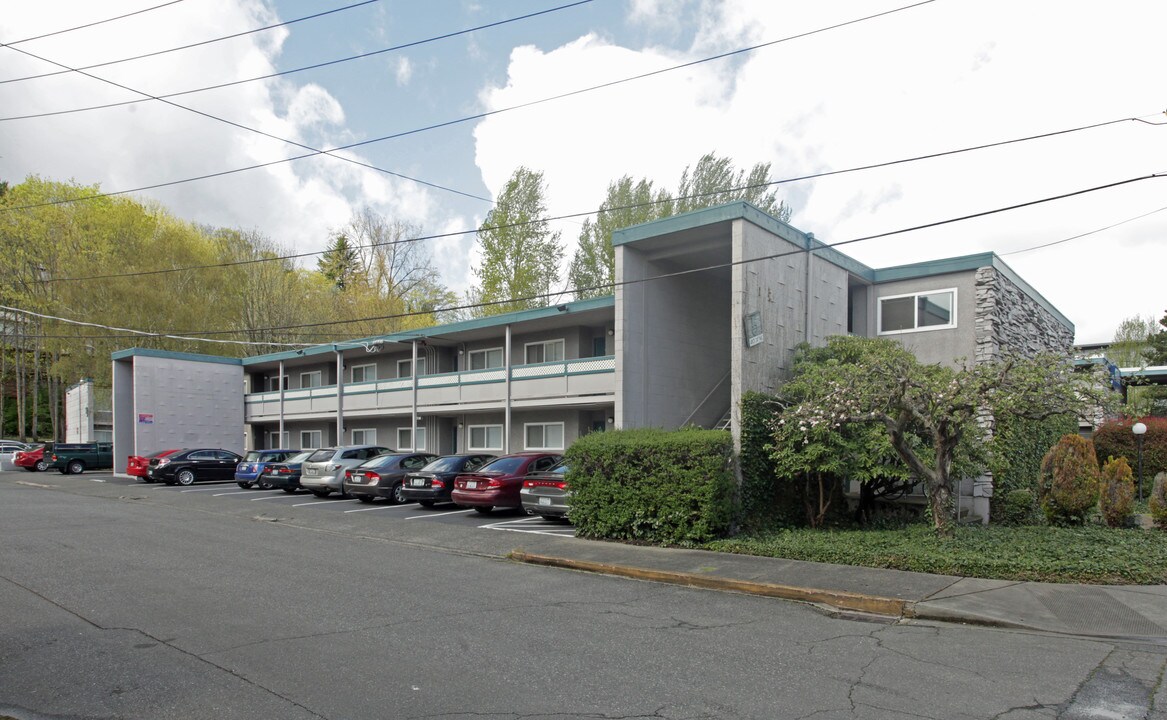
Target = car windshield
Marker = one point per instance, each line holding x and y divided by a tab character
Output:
321	455
560	469
300	457
503	465
160	453
252	456
446	464
381	461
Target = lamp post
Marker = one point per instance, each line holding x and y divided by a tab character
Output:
1139	429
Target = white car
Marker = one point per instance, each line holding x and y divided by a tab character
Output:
323	471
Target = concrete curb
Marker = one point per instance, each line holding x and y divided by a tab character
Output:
855	602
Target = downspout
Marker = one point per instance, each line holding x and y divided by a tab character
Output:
339	395
506	423
280	383
413	408
807	288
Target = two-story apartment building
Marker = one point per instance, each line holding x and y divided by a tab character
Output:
708	305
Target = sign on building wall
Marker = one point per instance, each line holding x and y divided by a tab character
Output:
145	418
753	327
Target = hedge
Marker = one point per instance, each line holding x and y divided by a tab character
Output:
652	485
1018	446
766	501
1115	439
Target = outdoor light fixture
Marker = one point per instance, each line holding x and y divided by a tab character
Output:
611	420
562	308
1139	429
611	332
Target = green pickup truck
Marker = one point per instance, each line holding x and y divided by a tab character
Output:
73	458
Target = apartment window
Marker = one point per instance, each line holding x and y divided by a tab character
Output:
275	441
405	439
484	437
543	436
311	439
920	311
405	367
310	379
364	373
273	383
365	436
599	347
485	359
548	351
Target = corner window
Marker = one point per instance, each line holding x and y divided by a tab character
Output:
364	373
922	311
310	439
543	436
484	437
365	436
540	352
310	379
484	359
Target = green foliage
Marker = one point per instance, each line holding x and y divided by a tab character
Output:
653	485
1045	554
1117	496
765	500
1014	457
716	181
1114	438
339	262
1158	502
1069	481
1014	507
520	253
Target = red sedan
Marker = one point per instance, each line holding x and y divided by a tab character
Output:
32	460
137	464
497	483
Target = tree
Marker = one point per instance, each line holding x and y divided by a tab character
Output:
339	262
520	253
715	181
885	384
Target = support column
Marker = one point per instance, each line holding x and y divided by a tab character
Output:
413	406
506	423
339	395
280	384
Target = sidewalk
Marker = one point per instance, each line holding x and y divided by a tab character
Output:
1131	612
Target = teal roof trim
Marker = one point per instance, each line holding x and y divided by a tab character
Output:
511	318
170	355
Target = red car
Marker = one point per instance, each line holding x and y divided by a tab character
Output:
31	460
497	483
137	464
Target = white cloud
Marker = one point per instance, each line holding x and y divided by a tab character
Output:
403	71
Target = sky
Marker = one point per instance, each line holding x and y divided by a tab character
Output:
826	91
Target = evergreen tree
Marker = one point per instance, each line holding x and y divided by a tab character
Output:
339	263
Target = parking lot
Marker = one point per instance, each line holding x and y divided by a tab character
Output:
229	492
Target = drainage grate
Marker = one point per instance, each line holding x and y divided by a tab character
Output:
1095	612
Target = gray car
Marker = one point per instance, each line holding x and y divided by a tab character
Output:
546	493
323	471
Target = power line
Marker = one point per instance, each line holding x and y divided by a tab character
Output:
1082	235
315	66
570	216
98	22
544	297
478	116
182	47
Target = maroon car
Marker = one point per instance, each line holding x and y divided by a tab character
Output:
497	483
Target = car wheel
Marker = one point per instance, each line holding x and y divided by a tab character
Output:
76	467
426	503
399	494
484	510
548	517
289	490
244	485
265	485
185	476
41	466
364	498
321	493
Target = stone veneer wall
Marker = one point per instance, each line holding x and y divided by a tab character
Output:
1008	320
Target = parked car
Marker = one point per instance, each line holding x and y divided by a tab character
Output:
286	475
136	465
545	492
381	477
497	483
188	466
75	458
250	471
32	459
323	471
433	483
12	446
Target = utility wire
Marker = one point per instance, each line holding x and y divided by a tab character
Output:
269	76
571	216
1082	235
98	22
180	47
544	297
478	116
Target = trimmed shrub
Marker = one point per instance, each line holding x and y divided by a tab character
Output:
1116	439
1069	481
1015	455
653	485
1015	507
1117	499
1159	501
766	500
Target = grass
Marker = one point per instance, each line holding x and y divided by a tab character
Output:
1049	554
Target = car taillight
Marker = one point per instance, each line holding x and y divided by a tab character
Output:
336	467
435	483
163	461
348	474
284	471
54	457
372	476
562	485
493	483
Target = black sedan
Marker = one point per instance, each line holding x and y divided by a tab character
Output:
432	484
381	476
188	466
286	475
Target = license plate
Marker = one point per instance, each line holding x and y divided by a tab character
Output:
309	471
544	501
471	484
417	482
356	479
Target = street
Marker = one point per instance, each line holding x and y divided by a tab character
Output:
126	600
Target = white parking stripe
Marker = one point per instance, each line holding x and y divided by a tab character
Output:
96	479
511	522
210	489
237	492
430	515
379	507
320	501
282	495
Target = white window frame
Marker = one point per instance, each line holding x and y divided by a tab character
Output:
319	379
470	447
544	344
915	312
364	373
368	437
405	438
270	379
544	446
315	439
274	441
485	353
405	369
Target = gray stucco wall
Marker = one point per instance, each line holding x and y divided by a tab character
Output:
1009	320
945	346
192	404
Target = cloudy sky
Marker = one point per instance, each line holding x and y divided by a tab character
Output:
822	94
